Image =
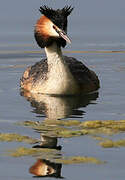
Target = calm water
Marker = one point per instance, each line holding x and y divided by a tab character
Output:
98	40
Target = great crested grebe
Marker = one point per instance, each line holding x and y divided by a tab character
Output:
58	74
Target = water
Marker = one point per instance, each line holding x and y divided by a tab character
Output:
98	41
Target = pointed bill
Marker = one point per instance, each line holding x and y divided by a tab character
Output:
64	36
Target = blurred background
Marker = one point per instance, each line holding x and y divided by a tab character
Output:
91	23
97	31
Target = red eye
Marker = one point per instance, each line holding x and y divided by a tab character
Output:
54	27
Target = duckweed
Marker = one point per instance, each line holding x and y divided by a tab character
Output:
71	133
108	127
110	144
47	123
23	151
68	123
78	160
116	126
70	128
57	128
8	137
50	154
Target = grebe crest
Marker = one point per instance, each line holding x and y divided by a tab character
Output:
52	26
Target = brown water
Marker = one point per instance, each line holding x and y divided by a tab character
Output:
99	48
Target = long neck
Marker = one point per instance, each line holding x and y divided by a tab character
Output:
59	77
54	54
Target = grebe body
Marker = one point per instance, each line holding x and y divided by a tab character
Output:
58	74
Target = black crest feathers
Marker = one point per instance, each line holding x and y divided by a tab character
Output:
50	13
59	18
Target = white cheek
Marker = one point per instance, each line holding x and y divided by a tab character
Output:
52	31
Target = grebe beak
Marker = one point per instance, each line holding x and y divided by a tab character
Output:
62	34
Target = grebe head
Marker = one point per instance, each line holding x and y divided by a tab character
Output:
52	26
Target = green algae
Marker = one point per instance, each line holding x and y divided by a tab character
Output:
111	144
51	155
9	137
109	127
29	123
79	160
71	128
71	133
47	123
56	128
68	123
111	124
23	151
120	124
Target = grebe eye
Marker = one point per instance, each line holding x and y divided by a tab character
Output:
54	27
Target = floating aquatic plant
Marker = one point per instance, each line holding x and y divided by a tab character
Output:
23	151
78	160
110	144
72	128
9	137
56	128
109	127
52	155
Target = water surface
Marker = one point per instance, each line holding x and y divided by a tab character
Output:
98	41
